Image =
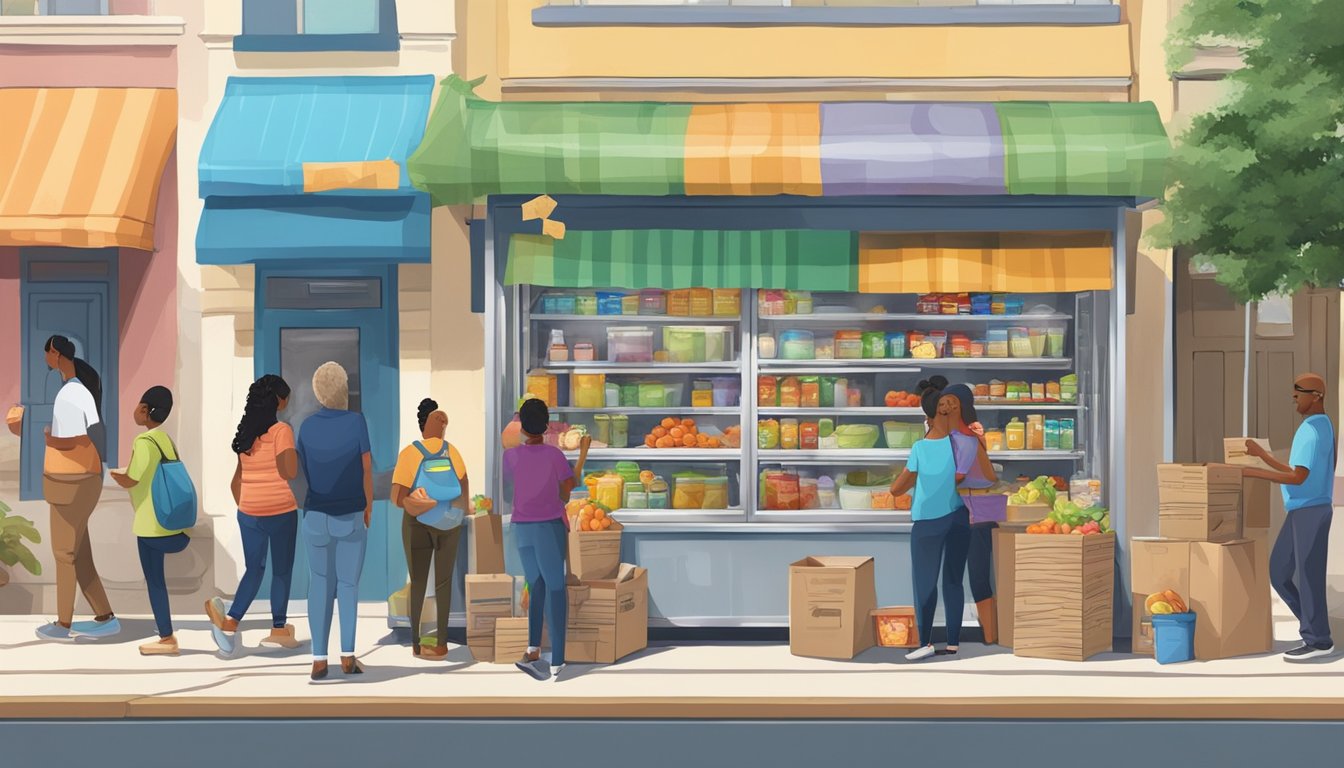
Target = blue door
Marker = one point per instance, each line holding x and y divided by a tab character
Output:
71	293
307	317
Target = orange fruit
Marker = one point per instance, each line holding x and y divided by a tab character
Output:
676	433
666	442
606	523
688	441
651	441
659	432
669	423
714	442
599	514
688	423
646	477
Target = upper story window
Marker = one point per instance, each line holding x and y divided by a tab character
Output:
66	8
318	25
824	12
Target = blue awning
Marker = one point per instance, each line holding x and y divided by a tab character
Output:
267	128
312	228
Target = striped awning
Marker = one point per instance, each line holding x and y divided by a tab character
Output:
474	148
1010	262
81	167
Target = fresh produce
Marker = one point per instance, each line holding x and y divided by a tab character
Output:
570	440
1039	491
901	399
1068	518
593	517
683	433
482	505
1165	603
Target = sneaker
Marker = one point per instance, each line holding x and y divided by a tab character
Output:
556	672
215	611
96	629
281	637
923	652
1307	652
163	646
55	633
534	666
226	641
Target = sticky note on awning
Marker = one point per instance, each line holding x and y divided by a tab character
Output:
553	229
539	208
363	174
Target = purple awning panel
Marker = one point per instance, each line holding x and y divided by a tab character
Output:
872	148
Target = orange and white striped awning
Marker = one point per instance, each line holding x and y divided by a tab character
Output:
81	167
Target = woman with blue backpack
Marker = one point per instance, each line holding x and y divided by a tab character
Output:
165	507
430	484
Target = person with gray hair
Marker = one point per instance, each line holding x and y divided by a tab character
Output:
335	455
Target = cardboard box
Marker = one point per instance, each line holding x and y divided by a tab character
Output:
489	597
1026	513
1199	502
510	639
1255	493
1226	584
1234	452
609	618
831	600
485	543
1005	554
399	607
1063	596
896	627
595	555
1264	543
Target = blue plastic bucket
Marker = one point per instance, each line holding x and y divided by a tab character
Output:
1174	638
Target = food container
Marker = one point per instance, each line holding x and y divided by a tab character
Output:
716	493
825	428
718	343
702	398
809	392
947	304
770	303
588	390
982	304
1038	392
998	390
896	627
994	440
559	304
928	304
963	304
629	395
1054	342
1052	391
545	387
1035	432
896	344
1019	391
790	392
849	345
620	431
979	347
857	436
727	391
840	398
803	304
825	348
609	303
1019	342
788	434
652	301
981	391
1052	434
612	395
659	495
727	302
998	304
610	491
1066	434
961	345
701	302
1068	388
1016	433
767	391
688	492
1038	339
996	342
652	394
855	399
630	304
584	352
826	495
874	345
766	347
855	497
629	344
679	303
797	345
807	493
790	303
767	434
808	438
602	428
585	304
901	435
1012	307
636	497
780	490
684	344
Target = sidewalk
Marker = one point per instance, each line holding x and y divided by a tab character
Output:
109	680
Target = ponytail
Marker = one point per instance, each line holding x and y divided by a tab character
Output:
83	371
930	391
260	412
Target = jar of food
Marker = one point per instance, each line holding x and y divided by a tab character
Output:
767	392
727	302
701	302
679	303
765	346
1016	435
849	345
788	434
790	393
620	431
602	428
809	392
767	434
994	439
808	435
630	304
803	303
584	352
824	348
1035	432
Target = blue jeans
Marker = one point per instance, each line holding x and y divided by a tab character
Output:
276	533
541	546
1297	568
940	543
335	545
152	552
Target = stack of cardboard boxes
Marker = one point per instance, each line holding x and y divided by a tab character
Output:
1212	549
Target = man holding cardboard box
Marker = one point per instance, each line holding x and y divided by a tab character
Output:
1298	561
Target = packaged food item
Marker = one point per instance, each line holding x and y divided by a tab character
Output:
994	440
727	302
620	431
1012	306
629	395
1016	433
781	490
826	497
1066	434
588	390
612	395
1054	343
1019	391
629	344
609	303
688	491
809	392
797	345
790	303
896	344
716	493
981	391
1068	388
765	346
545	387
939	341
963	304
770	303
979	347
825	428
727	392
961	345
999	304
630	304
803	304
874	345
1052	393
679	303
585	304
982	304
788	434
1038	392
825	348
702	398
1019	342
1084	491
1035	432
558	352
855	398
602	428
849	345
807	493
996	342
584	352
841	394
684	344
1052	434
652	394
790	393
767	434
948	304
610	491
652	301
767	391
929	304
808	436
718	343
701	302
636	497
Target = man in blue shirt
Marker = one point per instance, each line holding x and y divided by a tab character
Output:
1297	564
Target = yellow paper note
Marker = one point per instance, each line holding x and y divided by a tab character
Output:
539	208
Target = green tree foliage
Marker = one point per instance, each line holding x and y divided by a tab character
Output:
1258	183
13	551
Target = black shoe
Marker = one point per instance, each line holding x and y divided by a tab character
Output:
537	668
946	652
1307	652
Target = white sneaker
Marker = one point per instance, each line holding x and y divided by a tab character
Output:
1306	652
556	672
923	652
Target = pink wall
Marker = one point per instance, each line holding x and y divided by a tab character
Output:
128	7
11	357
42	66
147	303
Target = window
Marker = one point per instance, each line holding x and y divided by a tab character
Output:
54	8
318	25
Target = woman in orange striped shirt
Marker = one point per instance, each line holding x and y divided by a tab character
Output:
268	514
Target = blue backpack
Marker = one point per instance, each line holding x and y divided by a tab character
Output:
438	477
172	492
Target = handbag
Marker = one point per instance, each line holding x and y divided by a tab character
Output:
438	477
172	493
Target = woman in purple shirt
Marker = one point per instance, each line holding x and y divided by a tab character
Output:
542	481
973	461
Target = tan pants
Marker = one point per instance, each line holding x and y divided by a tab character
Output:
73	499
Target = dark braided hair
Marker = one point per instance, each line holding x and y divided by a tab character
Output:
259	415
83	371
427	406
930	392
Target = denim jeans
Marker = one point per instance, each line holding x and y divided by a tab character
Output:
335	545
1297	569
541	546
940	543
276	533
980	561
153	549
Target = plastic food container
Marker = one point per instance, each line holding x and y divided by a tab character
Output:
797	345
585	304
558	304
652	394
1019	342
544	386
679	303
826	495
1012	307
718	343
803	304
630	304
939	340
588	390
982	304
809	392
613	395
610	491
896	627
629	395
636	497
701	302
620	431
901	435
857	496
766	347
652	301
767	434
1174	638
825	348
610	303
780	490
688	492
1037	337
767	392
998	304
961	346
857	436
807	493
727	302
896	344
685	344
1054	342
659	495
874	345
716	493
808	436
849	345
584	352
629	344
788	434
727	392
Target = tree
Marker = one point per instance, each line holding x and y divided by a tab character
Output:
1258	183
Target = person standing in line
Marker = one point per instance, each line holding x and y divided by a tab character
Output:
1297	564
153	541
940	536
268	516
542	482
72	483
335	453
973	463
425	542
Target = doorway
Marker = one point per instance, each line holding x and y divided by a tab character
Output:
73	293
307	317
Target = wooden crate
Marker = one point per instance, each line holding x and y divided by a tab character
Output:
1063	596
1199	502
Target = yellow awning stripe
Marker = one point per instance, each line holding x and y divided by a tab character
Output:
1018	262
81	167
